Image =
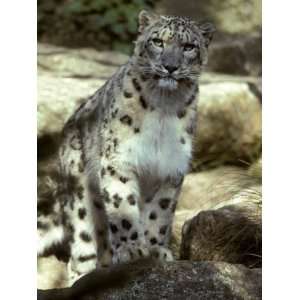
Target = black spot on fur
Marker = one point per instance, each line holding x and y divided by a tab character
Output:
111	170
85	236
163	229
127	94
153	241
144	78
136	84
103	172
41	225
153	215
105	196
148	200
113	228
181	114
140	252
117	200
182	140
81	213
56	222
136	130
164	203
143	102
80	167
115	141
190	130
123	238
146	232
134	236
131	199
123	179
191	99
75	142
126	224
114	113
173	208
87	257
126	120
98	205
80	190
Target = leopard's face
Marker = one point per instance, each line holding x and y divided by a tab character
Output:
171	50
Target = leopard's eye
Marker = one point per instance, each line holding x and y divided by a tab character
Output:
188	47
158	43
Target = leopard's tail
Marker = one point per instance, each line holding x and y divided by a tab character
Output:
49	219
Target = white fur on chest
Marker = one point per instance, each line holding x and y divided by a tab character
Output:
157	150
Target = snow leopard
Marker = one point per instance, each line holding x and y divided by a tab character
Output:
126	149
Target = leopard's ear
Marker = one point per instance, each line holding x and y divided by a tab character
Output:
145	19
207	30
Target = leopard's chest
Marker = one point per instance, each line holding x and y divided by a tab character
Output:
158	150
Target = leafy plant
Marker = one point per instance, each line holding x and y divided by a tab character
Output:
99	23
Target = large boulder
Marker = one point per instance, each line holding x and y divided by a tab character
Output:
207	189
51	273
65	78
229	125
203	195
176	281
232	233
81	63
230	16
58	97
236	54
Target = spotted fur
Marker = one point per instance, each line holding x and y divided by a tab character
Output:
126	150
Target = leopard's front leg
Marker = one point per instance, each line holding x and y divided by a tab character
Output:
121	198
158	213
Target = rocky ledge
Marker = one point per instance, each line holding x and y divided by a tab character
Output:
178	280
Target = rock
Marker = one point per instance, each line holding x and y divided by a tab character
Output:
51	273
66	77
230	16
229	125
179	219
58	97
212	188
176	281
231	233
255	170
236	54
78	63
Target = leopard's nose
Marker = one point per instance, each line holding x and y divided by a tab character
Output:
170	68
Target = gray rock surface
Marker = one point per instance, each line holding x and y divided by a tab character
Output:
231	16
176	281
231	234
229	125
208	191
236	54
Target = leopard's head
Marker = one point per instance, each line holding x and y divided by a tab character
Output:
171	51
